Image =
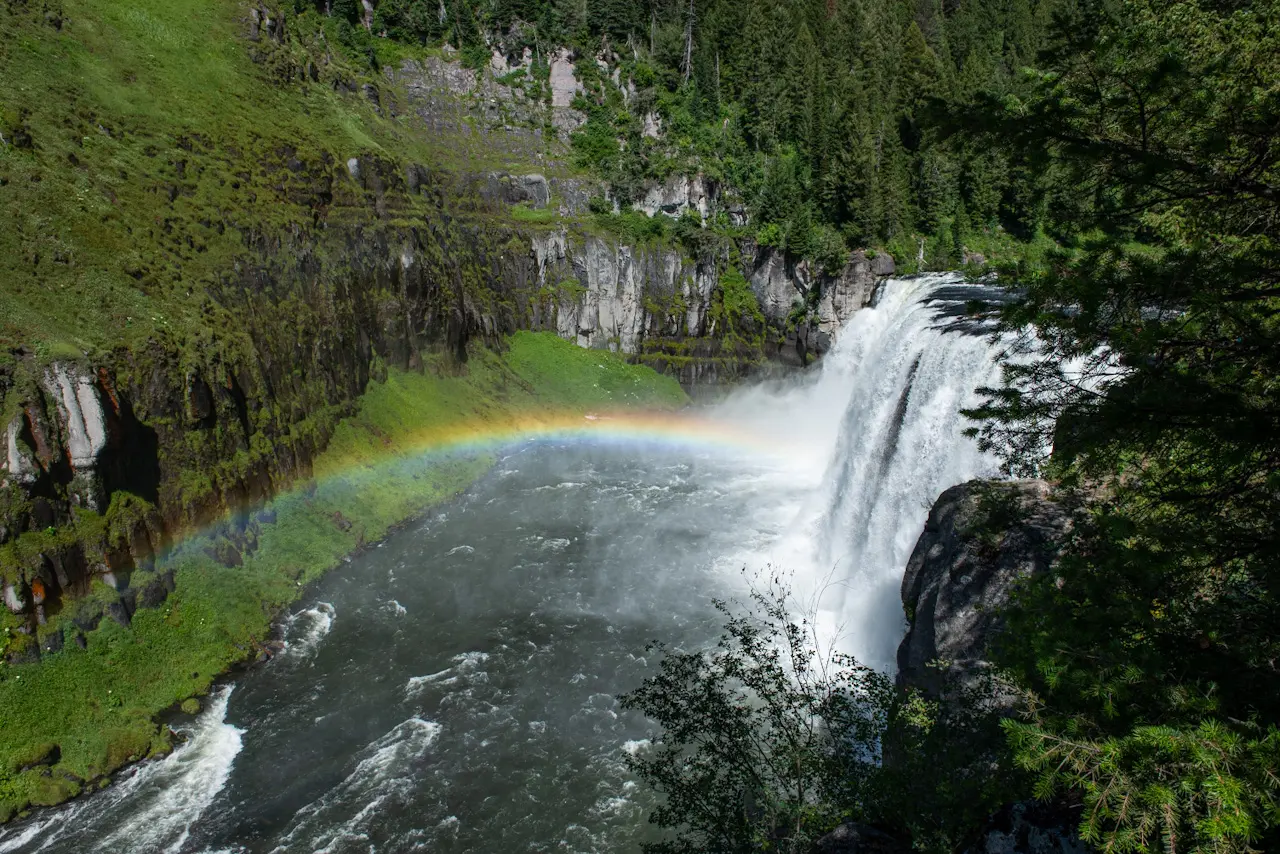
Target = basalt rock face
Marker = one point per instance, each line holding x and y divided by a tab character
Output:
980	540
786	289
665	307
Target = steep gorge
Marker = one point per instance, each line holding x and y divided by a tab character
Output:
363	263
196	301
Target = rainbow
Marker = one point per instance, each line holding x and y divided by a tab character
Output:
627	429
346	478
640	431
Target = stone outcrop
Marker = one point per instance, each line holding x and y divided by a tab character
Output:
678	195
453	100
640	299
826	302
980	540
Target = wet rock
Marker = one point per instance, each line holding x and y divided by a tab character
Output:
980	539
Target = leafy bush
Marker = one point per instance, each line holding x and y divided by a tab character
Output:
770	739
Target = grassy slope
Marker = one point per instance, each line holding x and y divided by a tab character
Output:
128	103
98	705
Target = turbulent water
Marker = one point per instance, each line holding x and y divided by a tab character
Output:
454	688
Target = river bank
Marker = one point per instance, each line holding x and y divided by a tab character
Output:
80	714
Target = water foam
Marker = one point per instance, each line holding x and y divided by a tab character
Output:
348	814
159	801
305	629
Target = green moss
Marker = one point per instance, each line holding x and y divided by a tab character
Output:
98	704
523	213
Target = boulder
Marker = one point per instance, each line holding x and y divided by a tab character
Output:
980	540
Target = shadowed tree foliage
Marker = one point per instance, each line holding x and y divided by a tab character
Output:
769	741
1151	659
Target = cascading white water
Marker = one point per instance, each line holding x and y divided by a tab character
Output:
879	434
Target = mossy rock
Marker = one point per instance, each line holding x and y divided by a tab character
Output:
53	789
191	706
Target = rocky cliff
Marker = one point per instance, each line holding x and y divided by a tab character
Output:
980	540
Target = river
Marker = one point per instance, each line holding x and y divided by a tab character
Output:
453	688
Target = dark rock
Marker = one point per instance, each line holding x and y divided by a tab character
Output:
854	838
153	593
225	553
26	655
118	612
882	264
88	617
265	516
341	521
49	754
1032	828
416	177
52	643
981	538
199	401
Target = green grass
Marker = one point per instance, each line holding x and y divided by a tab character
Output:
158	145
99	705
540	216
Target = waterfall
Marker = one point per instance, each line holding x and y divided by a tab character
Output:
898	378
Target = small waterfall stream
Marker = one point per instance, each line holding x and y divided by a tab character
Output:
453	688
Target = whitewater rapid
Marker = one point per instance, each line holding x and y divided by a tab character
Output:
455	689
